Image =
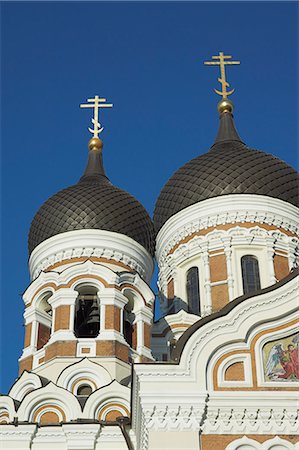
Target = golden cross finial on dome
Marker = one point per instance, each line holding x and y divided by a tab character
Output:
96	103
222	63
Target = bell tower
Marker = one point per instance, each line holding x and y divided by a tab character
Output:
91	259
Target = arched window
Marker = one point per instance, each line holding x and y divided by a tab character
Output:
87	313
84	389
193	296
250	274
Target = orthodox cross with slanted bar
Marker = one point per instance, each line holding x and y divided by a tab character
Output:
222	63
96	103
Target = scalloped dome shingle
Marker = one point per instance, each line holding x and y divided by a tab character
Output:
92	203
230	167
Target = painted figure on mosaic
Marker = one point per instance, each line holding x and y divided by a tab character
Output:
281	359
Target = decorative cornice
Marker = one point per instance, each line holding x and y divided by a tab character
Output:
225	239
223	210
91	243
258	419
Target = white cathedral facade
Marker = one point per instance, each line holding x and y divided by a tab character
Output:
219	369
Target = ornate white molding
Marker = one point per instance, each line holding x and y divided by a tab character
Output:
87	243
222	210
269	444
279	302
235	236
263	414
165	414
86	370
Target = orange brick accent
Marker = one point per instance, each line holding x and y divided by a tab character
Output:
49	417
112	317
218	270
113	414
235	372
62	317
221	441
25	364
227	226
27	339
92	258
147	335
43	335
219	296
253	363
85	350
170	292
79	277
113	348
281	267
60	348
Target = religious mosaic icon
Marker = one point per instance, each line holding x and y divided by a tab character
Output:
280	359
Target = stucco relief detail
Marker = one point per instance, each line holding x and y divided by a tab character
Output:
226	239
258	420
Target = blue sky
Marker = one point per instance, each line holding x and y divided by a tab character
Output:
147	59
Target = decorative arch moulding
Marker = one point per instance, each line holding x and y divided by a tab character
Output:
226	210
100	276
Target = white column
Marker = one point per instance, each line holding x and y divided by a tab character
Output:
207	278
111	297
270	257
143	316
102	317
229	268
293	252
140	336
64	296
121	312
34	331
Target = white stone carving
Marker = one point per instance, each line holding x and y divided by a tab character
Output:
84	369
275	443
223	210
97	243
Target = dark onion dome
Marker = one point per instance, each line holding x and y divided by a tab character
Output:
92	203
230	167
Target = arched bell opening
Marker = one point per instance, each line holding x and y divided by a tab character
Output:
44	320
128	321
87	312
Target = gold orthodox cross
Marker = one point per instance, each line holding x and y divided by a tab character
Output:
96	103
222	63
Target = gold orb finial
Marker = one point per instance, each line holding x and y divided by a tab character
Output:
225	105
95	144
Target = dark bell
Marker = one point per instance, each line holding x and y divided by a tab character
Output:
93	314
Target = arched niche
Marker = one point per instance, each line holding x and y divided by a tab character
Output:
87	311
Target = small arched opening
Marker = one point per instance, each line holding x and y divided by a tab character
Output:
87	312
129	329
44	315
84	390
